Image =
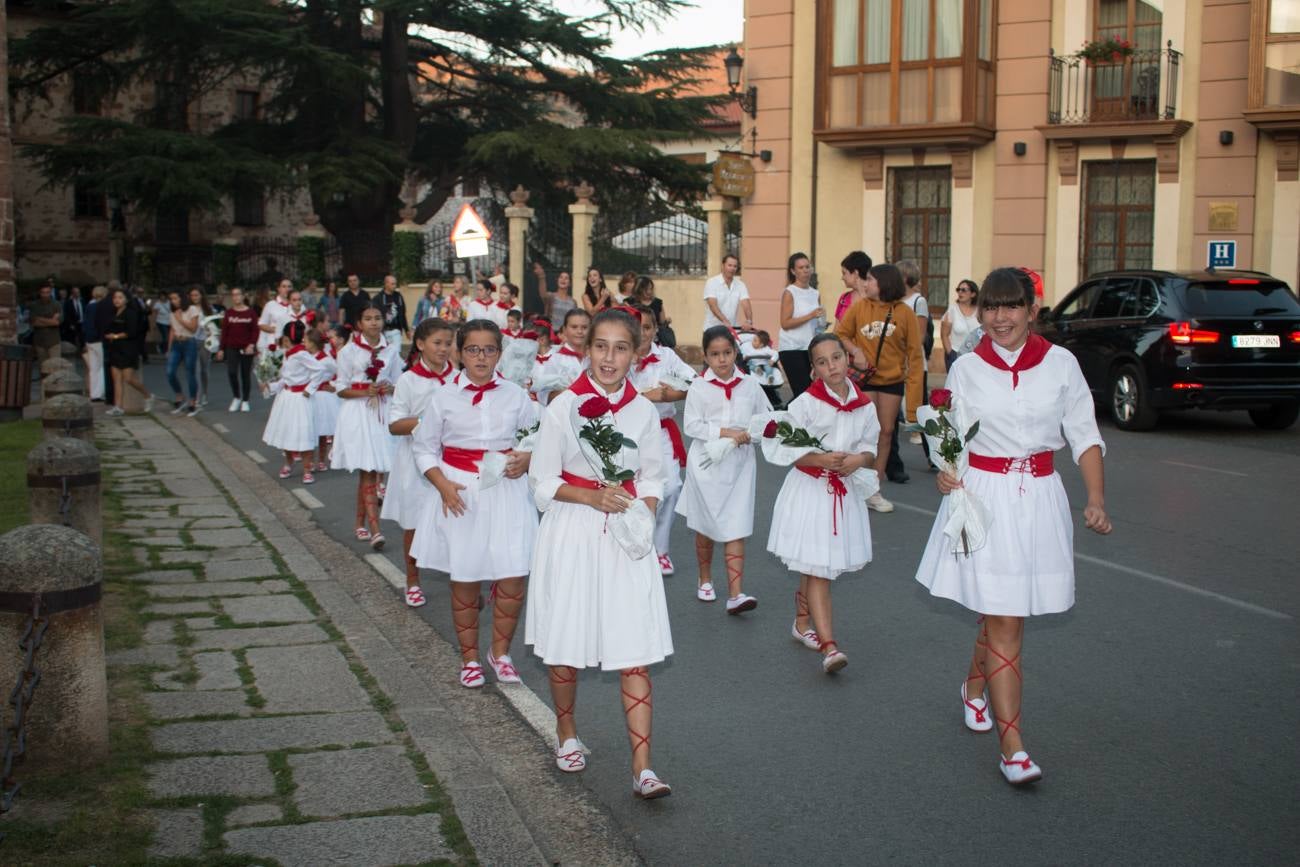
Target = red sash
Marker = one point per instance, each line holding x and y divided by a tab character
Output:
675	437
834	486
466	460
296	389
592	485
1037	465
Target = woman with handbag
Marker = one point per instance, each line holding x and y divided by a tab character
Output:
884	339
802	316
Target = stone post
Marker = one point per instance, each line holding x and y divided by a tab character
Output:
519	215
716	209
68	350
60	468
62	382
69	415
53	365
584	218
67	718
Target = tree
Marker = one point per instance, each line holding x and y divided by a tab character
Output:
366	99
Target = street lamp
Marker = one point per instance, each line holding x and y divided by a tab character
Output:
748	100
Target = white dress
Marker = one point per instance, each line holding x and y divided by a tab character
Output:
718	500
277	314
564	365
493	539
325	404
813	531
1027	565
589	604
409	492
361	437
646	378
539	368
479	310
291	426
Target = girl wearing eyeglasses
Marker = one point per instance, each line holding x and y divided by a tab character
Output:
478	531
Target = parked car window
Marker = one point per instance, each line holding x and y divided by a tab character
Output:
1118	299
1222	298
1079	304
1149	299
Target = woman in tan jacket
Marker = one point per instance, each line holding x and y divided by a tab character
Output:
884	339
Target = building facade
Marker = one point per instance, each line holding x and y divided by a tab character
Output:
1070	136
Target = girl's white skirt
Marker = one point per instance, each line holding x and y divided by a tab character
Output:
361	438
589	604
672	469
409	492
325	407
492	540
291	426
1027	565
810	533
718	501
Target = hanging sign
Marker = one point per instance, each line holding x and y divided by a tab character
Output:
469	233
733	175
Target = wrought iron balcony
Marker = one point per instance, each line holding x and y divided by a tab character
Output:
1140	87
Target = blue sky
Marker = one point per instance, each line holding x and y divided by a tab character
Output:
710	22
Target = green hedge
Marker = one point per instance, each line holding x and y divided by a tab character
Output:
224	258
408	253
311	258
144	273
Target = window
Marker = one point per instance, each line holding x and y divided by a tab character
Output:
88	93
918	228
247	103
1128	89
1118	216
250	208
1079	305
1282	54
1126	298
88	203
908	62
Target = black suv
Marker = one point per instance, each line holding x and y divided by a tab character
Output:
1160	340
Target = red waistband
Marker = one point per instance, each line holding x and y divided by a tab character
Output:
466	460
1037	465
675	437
360	386
593	485
296	389
835	487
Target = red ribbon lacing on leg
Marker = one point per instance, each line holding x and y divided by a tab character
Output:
561	675
497	596
641	740
1005	727
800	604
734	572
464	630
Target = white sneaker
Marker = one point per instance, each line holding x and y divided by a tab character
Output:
114	411
648	787
244	407
571	756
234	406
741	603
178	409
808	639
877	503
194	410
834	661
666	564
977	711
705	592
1020	769
148	403
471	675
504	668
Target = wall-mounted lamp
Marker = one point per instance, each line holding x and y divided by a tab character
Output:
1019	149
748	100
1225	137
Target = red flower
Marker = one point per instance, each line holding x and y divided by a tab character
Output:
769	431
941	398
594	407
372	372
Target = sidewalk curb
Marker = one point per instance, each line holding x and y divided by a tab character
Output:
480	744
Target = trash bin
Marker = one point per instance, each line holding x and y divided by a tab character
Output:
15	378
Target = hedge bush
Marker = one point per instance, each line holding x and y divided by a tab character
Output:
408	252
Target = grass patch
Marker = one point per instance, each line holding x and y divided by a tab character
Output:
17	438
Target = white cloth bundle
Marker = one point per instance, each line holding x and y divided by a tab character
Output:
554	379
968	519
517	359
634	529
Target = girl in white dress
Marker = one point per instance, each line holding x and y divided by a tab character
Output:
291	426
591	604
1030	399
717	501
408	491
819	525
275	315
653	365
325	402
568	360
368	367
472	533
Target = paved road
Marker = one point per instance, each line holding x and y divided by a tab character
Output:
1164	708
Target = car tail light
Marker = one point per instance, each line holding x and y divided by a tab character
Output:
1242	281
1183	334
1294	337
1185	386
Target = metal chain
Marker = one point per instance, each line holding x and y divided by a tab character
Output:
65	504
15	746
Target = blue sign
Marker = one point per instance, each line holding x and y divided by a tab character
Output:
1222	254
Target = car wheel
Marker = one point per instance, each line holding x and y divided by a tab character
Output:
1279	416
1130	405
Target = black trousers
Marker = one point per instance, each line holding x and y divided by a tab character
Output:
239	370
798	370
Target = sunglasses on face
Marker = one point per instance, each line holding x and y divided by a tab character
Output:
480	351
965	289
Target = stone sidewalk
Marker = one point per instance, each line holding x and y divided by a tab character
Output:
292	703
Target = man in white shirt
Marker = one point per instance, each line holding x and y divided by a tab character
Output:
727	298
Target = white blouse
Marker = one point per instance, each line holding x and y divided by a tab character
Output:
353	359
805	302
851	432
326	369
412	392
708	411
299	368
961	325
1049	408
557	449
652	374
277	314
452	419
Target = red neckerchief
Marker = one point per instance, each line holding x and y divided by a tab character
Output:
420	370
505	305
479	390
1031	354
361	341
565	350
294	350
506	332
728	387
320	356
542	359
297	317
819	390
650	359
282	303
583	385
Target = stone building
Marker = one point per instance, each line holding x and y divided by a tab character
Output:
968	134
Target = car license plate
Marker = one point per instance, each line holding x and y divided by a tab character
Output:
1256	341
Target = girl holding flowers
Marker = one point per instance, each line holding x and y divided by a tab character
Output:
291	425
368	366
408	491
718	497
832	534
597	597
1029	399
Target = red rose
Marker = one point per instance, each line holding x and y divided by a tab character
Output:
941	398
769	431
594	407
372	372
